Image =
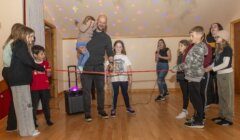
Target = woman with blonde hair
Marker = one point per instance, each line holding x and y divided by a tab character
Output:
20	77
16	30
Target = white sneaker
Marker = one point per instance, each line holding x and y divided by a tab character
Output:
35	133
182	115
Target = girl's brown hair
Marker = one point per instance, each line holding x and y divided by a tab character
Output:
220	46
16	31
123	46
87	18
164	44
23	36
185	43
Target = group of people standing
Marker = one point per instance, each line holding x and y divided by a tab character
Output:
92	44
26	71
204	72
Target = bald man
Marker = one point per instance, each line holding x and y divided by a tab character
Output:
99	45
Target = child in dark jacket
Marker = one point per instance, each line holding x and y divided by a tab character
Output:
183	44
20	77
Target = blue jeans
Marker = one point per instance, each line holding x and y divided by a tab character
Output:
82	59
162	70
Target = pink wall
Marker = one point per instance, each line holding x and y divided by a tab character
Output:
11	11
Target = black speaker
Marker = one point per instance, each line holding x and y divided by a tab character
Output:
74	95
73	102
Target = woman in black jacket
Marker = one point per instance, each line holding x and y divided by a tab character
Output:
20	77
17	28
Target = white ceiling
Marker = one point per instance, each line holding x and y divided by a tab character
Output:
142	17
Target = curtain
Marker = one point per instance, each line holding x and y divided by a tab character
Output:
35	19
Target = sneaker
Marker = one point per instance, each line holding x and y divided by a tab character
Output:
113	113
182	115
130	110
216	120
35	133
189	120
194	124
88	118
160	98
224	122
49	123
103	115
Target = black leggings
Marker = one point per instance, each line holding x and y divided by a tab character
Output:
184	89
124	89
11	119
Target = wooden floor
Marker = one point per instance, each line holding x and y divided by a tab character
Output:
153	121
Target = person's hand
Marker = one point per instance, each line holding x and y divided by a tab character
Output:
49	73
208	69
173	70
92	24
110	67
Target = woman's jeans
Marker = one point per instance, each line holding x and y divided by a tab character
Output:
162	70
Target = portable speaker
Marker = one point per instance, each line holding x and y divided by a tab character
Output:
74	95
73	102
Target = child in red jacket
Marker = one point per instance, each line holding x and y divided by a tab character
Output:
40	84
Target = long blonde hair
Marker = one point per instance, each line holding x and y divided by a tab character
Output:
23	36
16	31
220	46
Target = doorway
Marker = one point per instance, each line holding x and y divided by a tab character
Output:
50	49
235	40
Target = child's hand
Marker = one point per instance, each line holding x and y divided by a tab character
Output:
174	68
208	69
92	24
49	74
110	67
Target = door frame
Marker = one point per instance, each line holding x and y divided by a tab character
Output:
55	74
233	47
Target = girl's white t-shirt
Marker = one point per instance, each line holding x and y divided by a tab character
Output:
121	63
